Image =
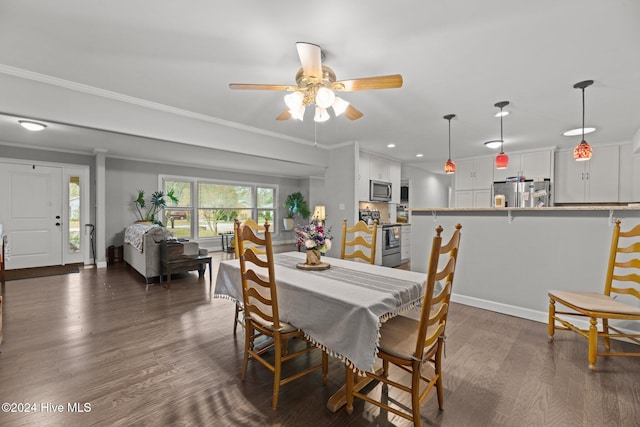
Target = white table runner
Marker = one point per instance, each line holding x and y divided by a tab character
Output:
341	308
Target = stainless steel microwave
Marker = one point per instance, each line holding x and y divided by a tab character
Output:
379	191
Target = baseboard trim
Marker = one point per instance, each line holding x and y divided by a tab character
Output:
511	310
524	313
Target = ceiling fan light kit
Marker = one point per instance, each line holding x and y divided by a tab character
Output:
502	160
583	151
449	166
316	84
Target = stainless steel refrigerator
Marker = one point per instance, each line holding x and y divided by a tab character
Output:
524	194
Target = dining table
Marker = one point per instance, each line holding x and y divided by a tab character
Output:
340	309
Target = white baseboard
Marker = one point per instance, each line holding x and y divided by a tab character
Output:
524	313
511	310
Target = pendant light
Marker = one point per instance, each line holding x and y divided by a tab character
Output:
502	160
449	167
583	150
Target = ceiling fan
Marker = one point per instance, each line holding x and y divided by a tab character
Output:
316	84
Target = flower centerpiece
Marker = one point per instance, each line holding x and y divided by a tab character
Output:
315	239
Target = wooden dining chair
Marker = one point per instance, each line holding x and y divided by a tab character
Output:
352	249
410	343
237	318
261	314
619	301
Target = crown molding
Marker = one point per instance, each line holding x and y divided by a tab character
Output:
79	87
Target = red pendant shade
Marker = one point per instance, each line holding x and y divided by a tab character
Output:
582	151
449	167
502	161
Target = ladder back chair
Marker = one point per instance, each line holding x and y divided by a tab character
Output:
619	301
410	343
352	249
237	318
261	315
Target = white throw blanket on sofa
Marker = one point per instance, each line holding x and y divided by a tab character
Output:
134	234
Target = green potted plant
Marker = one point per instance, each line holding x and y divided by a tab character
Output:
296	205
147	210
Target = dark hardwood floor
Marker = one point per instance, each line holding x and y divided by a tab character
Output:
169	357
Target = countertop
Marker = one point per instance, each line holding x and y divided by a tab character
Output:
545	209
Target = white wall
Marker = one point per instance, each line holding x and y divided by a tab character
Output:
509	267
125	177
340	182
426	189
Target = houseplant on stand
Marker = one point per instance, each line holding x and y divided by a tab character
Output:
147	210
296	205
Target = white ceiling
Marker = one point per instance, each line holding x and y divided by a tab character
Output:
458	56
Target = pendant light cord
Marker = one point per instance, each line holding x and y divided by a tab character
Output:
582	114
449	139
501	138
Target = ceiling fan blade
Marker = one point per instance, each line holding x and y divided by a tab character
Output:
285	115
392	81
243	86
352	113
311	60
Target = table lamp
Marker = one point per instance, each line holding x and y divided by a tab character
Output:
319	213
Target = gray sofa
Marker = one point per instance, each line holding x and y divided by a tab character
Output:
142	249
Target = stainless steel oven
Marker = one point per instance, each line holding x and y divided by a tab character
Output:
391	244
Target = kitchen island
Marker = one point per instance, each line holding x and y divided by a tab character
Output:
511	257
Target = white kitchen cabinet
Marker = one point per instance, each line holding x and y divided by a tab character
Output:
474	174
473	182
394	178
379	168
372	167
595	180
363	177
379	245
405	243
473	198
530	165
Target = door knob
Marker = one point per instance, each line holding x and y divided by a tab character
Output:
57	216
58	224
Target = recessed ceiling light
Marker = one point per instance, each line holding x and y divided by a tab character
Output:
493	144
501	114
578	131
419	155
391	145
33	126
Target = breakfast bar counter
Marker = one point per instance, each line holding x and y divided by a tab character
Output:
511	257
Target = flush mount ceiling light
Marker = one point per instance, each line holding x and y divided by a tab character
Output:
32	126
578	131
316	84
583	150
493	144
502	160
449	166
392	145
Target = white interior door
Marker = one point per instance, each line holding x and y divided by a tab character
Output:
32	215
